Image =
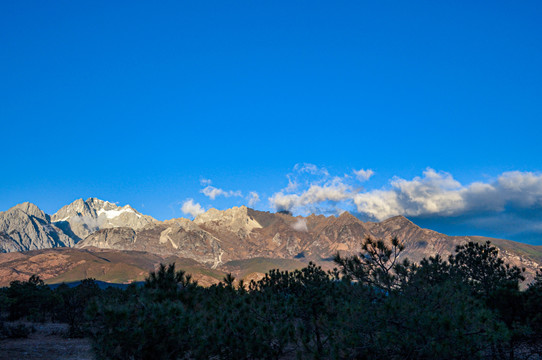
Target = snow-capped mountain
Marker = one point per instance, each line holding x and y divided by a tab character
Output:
217	237
84	217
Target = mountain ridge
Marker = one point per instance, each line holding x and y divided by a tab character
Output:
217	237
87	216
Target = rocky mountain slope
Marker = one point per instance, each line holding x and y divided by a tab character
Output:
69	265
26	227
216	238
83	217
179	237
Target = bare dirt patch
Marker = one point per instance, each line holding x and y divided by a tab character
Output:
46	343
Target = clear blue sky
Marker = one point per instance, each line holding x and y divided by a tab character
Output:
138	102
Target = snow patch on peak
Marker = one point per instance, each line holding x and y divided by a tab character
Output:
87	216
110	214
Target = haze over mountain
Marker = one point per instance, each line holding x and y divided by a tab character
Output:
217	238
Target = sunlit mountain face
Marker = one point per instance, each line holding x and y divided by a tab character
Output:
238	238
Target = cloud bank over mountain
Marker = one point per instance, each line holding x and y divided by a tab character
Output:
439	194
506	205
435	193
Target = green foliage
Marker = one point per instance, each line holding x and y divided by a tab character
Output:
238	325
533	302
71	304
166	283
29	299
484	309
374	307
436	322
532	319
312	298
480	266
4	303
147	322
376	266
139	330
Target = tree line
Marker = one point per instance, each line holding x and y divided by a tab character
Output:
372	306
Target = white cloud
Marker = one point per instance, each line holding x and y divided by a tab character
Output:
363	175
292	185
310	169
300	225
434	193
253	198
212	192
439	194
334	191
522	189
308	187
281	201
510	202
204	182
191	208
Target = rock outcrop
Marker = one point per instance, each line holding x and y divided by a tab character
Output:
26	227
179	237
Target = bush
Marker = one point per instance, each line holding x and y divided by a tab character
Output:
142	331
378	309
72	303
151	323
30	299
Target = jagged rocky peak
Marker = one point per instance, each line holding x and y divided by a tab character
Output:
346	217
90	207
183	223
87	216
236	219
27	227
395	223
30	209
347	220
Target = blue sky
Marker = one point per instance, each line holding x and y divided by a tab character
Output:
142	103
